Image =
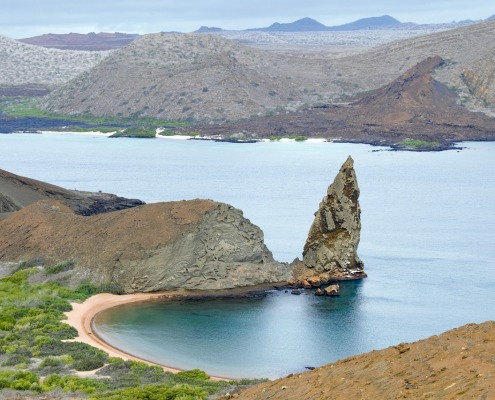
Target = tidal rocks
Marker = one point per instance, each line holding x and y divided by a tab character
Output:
332	290
331	247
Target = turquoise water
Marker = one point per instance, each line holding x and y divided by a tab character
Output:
427	243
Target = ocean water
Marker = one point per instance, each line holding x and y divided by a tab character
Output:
428	228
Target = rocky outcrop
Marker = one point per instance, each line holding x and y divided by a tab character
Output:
330	251
17	192
457	364
197	244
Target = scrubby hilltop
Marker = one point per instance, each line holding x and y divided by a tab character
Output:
206	77
189	76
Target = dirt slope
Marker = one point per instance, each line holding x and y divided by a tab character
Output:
458	364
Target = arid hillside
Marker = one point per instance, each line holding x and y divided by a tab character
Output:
413	107
27	66
189	76
457	364
208	78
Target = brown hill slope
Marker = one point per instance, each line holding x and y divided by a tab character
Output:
205	77
458	364
413	106
77	41
196	244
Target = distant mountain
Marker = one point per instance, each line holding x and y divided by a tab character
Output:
385	21
208	29
311	25
301	25
492	17
77	41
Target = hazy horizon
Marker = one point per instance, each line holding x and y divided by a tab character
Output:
25	18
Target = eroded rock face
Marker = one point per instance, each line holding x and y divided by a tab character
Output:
331	247
196	244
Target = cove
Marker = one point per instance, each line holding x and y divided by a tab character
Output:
268	336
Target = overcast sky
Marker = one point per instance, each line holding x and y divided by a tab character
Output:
25	18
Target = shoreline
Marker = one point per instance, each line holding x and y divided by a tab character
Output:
82	315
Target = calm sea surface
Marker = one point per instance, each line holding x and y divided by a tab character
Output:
427	242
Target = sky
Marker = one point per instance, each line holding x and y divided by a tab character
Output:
25	18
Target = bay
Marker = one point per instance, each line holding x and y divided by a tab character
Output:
427	243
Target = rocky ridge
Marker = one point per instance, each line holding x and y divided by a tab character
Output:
457	364
17	192
196	244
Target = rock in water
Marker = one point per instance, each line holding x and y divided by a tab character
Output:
331	247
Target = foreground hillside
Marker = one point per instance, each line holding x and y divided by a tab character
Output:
458	364
206	77
24	67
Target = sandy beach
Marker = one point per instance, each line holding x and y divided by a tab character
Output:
82	315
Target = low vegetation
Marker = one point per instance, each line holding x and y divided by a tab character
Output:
28	107
134	132
38	355
414	144
298	138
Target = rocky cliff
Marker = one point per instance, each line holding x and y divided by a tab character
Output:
458	364
331	246
197	244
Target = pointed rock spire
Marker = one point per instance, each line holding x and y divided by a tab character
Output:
331	246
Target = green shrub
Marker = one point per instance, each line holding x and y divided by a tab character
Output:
155	392
300	138
69	383
135	132
414	144
193	375
61	267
